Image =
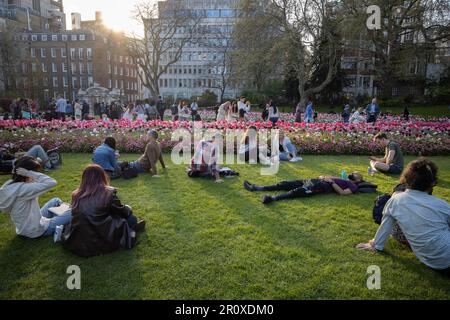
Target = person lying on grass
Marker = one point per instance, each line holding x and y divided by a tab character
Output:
392	163
19	198
423	218
309	187
152	154
100	222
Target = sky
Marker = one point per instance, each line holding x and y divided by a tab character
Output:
117	14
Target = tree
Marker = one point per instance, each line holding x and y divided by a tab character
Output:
408	35
310	31
256	56
168	28
10	56
220	71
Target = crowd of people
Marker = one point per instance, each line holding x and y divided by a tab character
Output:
96	222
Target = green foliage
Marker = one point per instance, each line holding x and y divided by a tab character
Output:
208	241
207	99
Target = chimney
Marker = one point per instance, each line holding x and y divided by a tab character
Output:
98	16
76	21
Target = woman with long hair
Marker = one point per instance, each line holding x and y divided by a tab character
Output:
100	222
233	112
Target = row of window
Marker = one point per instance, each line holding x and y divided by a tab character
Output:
128	85
194	70
119	58
128	72
189	83
54	37
55	82
194	56
76	68
80	53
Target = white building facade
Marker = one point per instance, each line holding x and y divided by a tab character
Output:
202	66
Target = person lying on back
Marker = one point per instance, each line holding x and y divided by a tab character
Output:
309	187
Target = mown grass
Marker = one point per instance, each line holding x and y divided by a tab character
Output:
208	241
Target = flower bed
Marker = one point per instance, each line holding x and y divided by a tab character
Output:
417	137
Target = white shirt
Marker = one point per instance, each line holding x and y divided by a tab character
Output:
243	106
424	220
21	201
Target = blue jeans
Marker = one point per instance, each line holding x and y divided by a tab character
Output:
291	150
54	219
136	165
38	152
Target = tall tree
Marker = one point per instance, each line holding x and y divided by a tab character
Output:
408	35
257	52
168	28
310	31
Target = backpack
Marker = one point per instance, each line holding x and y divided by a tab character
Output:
380	203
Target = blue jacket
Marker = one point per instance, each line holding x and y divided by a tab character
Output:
309	111
105	157
369	107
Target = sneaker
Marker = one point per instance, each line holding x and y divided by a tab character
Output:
140	226
267	199
296	159
57	236
248	186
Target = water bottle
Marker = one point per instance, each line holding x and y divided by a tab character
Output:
58	233
344	175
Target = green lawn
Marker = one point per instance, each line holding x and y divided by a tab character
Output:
207	241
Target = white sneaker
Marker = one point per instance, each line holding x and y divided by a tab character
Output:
296	159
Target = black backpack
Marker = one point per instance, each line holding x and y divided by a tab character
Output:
380	203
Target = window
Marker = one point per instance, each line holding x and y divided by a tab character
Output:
82	37
44	37
33	37
72	53
73	37
81	68
89	53
64	37
45	82
109	69
395	91
54	37
44	67
73	66
74	83
65	82
63	53
53	50
33	52
54	67
212	13
90	68
81	53
33	67
43	52
227	13
64	67
110	84
55	82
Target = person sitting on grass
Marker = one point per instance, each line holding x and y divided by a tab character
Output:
100	222
288	151
19	198
106	157
250	151
392	163
423	218
204	162
310	187
147	162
